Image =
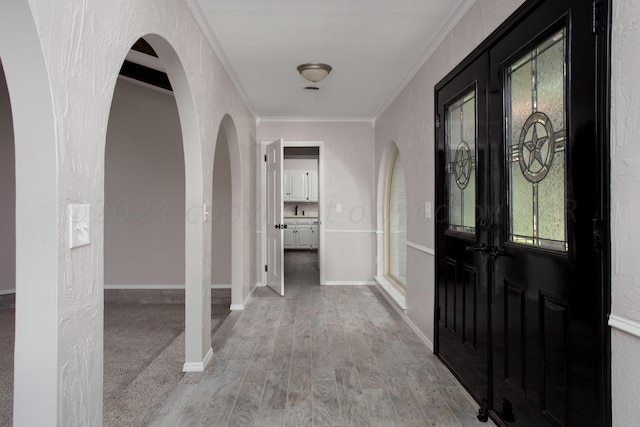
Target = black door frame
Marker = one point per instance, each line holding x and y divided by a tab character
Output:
602	224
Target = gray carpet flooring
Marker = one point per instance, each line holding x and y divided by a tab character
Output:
7	338
143	357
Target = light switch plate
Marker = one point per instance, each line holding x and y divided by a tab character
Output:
79	225
427	210
338	207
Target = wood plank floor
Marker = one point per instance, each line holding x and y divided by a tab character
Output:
320	356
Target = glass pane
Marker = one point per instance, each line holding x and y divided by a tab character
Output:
398	223
460	150
536	121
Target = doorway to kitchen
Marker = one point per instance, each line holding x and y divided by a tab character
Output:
299	229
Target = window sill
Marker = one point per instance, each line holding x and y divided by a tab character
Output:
392	293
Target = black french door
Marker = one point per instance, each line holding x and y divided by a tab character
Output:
521	260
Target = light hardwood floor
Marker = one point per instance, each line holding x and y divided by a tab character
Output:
320	356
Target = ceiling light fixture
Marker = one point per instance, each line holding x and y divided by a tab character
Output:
314	72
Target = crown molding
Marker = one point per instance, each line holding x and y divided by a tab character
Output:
371	120
198	15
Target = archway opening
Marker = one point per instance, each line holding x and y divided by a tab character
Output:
223	218
7	253
144	241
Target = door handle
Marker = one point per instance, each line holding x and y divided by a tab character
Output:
494	253
478	248
281	226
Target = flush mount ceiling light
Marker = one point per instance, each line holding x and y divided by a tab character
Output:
314	72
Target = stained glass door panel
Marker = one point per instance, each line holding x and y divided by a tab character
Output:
535	91
461	161
462	231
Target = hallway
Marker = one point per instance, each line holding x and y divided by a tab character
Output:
320	356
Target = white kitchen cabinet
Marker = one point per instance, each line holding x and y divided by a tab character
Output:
300	186
303	236
312	179
300	233
289	237
286	186
314	237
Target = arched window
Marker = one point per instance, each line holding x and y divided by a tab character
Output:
396	223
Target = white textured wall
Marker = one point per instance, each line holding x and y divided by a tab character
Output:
409	123
143	189
348	180
625	205
7	193
83	44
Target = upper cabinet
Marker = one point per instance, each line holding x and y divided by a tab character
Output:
300	186
313	185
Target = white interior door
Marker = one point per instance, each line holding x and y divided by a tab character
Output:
275	222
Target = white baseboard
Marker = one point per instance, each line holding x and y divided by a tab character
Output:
418	332
404	316
198	366
159	287
240	307
623	324
149	287
391	293
349	283
7	291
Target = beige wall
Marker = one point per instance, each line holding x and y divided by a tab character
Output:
7	193
144	189
348	180
222	213
408	122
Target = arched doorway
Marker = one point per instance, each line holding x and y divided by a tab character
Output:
144	240
35	373
222	215
7	252
228	220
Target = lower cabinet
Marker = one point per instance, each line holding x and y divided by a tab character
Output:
289	239
300	234
314	237
303	236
